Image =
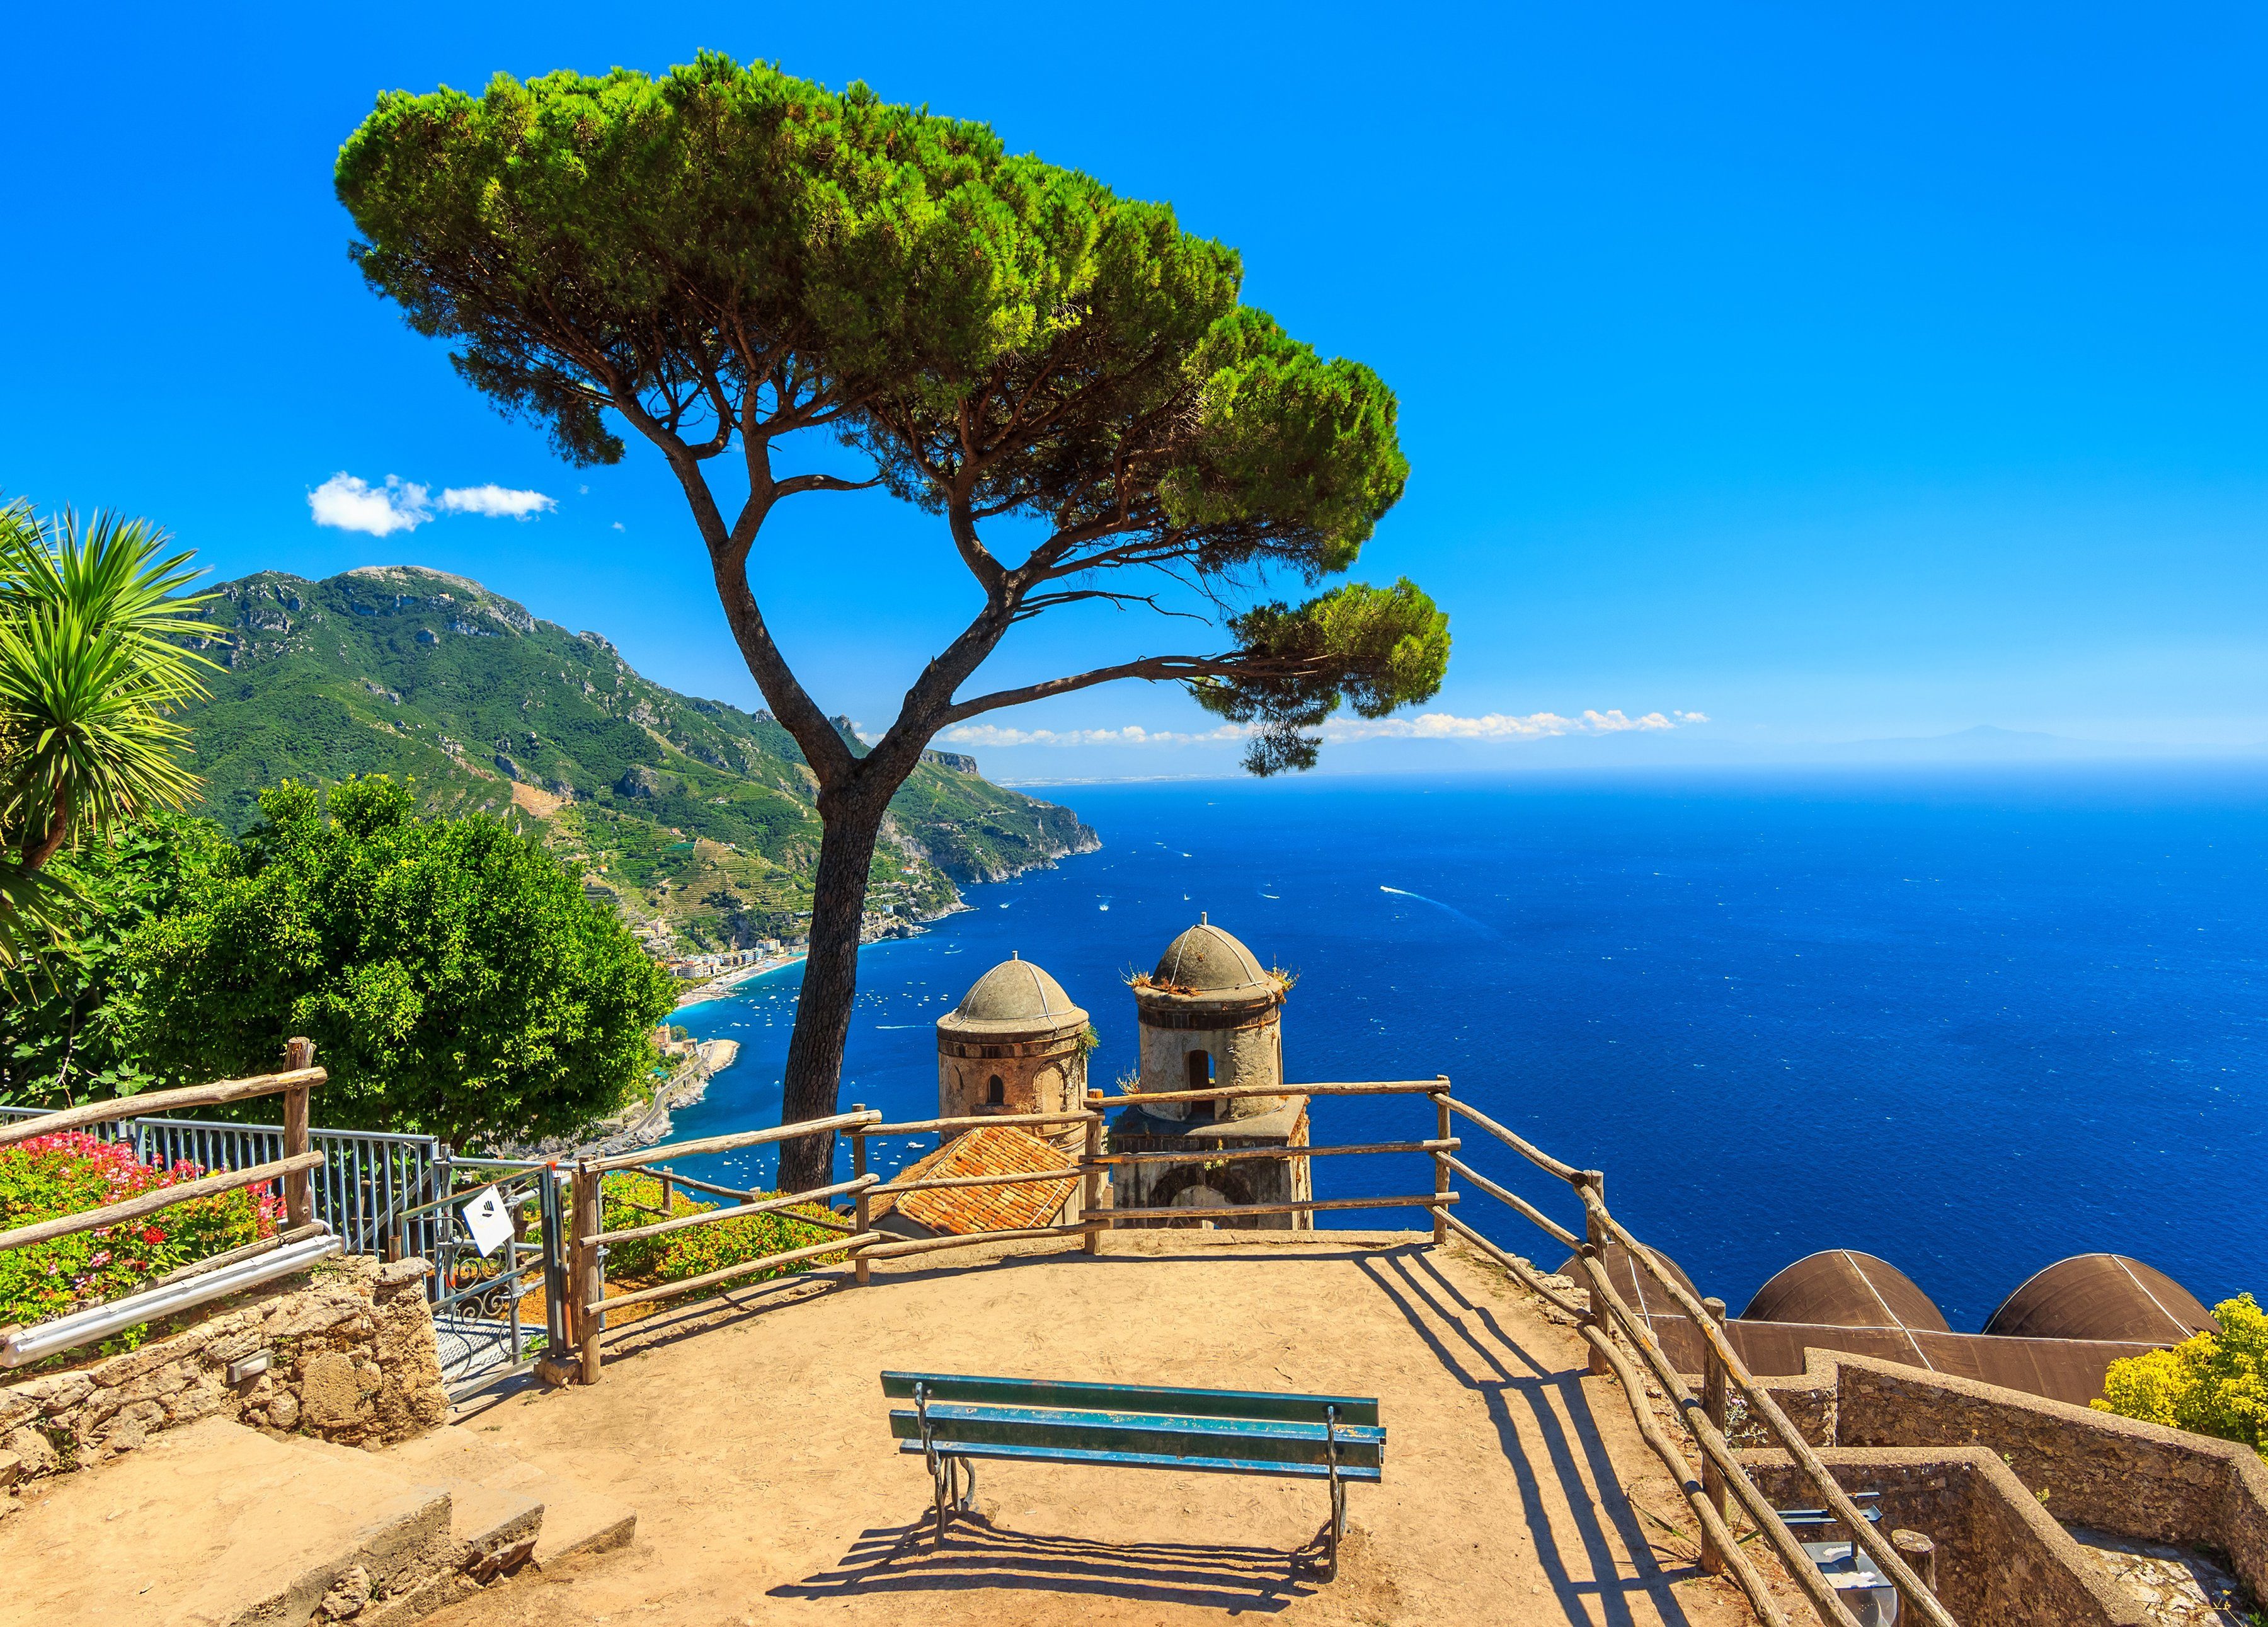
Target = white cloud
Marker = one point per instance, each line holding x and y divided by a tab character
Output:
1423	726
351	503
496	502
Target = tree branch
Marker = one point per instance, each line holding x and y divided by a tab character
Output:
1155	669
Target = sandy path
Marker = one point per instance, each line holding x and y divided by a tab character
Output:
753	1441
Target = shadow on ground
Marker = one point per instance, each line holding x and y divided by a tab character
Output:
977	1554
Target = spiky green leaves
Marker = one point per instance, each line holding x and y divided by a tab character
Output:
1374	649
90	674
89	679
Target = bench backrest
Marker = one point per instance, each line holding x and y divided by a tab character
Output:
1149	1398
1228	1430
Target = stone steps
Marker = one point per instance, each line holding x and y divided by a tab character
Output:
216	1525
575	1521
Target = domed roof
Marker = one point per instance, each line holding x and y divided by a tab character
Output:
1204	960
2102	1296
1015	995
1843	1288
1634	1283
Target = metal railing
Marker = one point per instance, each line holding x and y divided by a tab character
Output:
300	1240
366	1177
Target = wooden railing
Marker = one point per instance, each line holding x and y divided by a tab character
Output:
298	1077
1703	1416
1601	1315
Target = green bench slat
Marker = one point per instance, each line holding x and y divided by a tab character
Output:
1132	1398
1042	1429
1367	1474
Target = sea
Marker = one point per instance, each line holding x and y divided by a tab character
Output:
1972	1022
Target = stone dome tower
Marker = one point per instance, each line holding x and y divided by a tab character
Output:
1210	1014
1015	1045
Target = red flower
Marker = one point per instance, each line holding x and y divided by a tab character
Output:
151	1234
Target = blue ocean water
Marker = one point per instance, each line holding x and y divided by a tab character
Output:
1970	1024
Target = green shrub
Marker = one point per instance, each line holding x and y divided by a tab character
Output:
630	1200
2214	1384
49	1176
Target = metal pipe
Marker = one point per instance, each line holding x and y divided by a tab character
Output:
28	1344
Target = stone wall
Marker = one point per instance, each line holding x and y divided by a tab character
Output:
2001	1560
350	1359
2088	1468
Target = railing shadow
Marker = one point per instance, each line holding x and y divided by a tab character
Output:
979	1554
1502	1371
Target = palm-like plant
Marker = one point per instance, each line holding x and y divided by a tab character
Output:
91	673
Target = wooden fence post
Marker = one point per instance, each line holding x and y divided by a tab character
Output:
1712	1406
1595	1231
861	1272
1441	1169
1920	1552
584	1285
1090	1201
664	1192
299	1197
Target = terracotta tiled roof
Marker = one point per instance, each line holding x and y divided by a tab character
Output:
988	1150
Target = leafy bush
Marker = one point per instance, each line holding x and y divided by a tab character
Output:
454	978
2215	1384
631	1200
49	1176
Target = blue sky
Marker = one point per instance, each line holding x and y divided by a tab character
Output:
1832	374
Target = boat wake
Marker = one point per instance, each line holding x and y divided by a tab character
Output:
1482	927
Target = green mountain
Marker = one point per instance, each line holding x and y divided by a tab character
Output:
694	815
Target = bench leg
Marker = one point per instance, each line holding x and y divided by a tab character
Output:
943	1474
1336	1531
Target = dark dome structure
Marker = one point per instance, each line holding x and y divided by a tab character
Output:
1842	1288
2102	1296
1634	1283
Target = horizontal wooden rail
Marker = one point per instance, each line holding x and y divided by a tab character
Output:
1888	1560
151	1202
709	1187
679	1223
159	1103
1230	1154
668	1290
1688	1483
1225	1092
727	1144
1528	1150
1805	1574
1542	1221
1525	1274
924	1127
1022	1177
932	1244
1301	1206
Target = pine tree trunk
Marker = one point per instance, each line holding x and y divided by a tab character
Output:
830	981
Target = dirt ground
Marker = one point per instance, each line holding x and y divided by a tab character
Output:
751	1435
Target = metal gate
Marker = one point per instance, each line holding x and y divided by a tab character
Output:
478	1294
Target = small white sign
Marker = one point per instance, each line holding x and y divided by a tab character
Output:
490	1221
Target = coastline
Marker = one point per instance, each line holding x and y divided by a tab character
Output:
717	988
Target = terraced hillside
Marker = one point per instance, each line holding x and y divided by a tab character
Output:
688	811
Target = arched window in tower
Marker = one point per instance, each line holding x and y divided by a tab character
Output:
996	1094
1200	1068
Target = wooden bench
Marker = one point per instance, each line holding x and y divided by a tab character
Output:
955	1419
